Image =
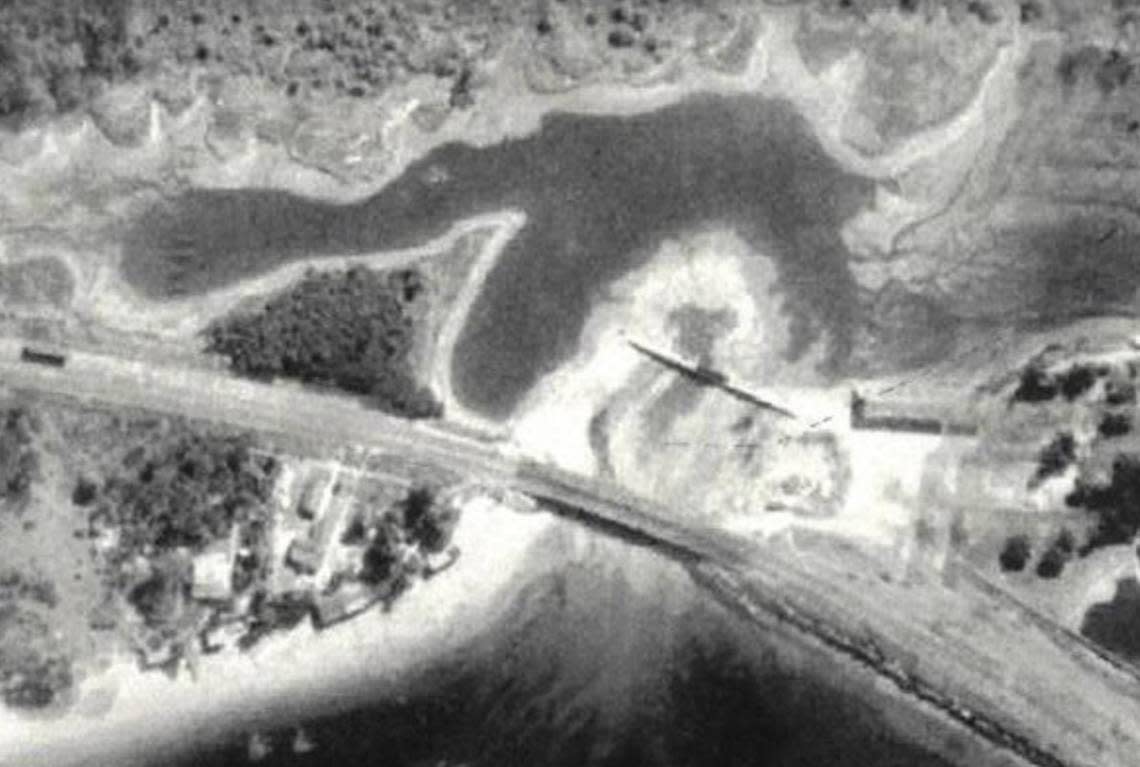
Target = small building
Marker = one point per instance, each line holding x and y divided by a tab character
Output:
914	416
304	555
315	494
283	487
213	571
224	636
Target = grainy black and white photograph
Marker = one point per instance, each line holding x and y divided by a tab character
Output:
569	383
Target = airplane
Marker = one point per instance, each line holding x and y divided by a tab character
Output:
703	375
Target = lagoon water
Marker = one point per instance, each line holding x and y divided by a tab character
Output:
590	666
600	194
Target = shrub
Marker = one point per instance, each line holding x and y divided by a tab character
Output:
1116	505
1115	424
1035	385
382	557
18	460
1015	554
1051	564
157	598
431	525
1076	381
85	492
1055	457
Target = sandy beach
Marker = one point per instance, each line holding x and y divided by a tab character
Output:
294	672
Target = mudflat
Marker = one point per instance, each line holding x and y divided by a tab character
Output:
600	193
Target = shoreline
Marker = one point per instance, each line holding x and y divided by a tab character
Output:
183	319
305	670
504	229
888	686
237	692
775	70
112	302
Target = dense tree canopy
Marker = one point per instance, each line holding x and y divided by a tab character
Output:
157	598
1015	554
417	522
18	459
382	557
429	523
1056	457
1037	384
187	492
350	329
1115	504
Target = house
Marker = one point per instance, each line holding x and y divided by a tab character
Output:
315	494
304	554
213	571
283	487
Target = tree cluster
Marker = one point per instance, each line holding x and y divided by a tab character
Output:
1056	457
18	459
1114	507
419	522
55	56
1053	560
351	329
1015	554
1036	384
1115	504
1114	425
382	557
187	492
430	524
159	597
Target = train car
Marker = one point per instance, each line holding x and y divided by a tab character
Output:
933	417
41	356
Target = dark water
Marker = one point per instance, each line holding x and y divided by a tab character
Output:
1083	265
600	193
589	671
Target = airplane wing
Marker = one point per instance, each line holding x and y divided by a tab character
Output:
753	399
712	378
668	361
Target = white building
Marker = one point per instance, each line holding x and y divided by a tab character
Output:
213	571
